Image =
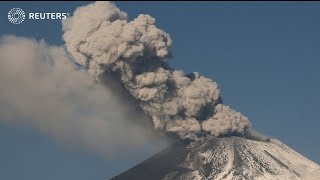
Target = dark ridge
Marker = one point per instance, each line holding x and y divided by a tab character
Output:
237	162
157	166
280	163
262	165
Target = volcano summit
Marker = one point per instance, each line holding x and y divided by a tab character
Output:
221	143
226	158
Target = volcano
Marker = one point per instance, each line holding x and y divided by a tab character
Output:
230	158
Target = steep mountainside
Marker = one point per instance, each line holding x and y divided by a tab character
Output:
230	158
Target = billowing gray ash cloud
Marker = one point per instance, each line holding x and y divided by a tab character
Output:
135	53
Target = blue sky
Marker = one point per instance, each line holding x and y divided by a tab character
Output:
264	56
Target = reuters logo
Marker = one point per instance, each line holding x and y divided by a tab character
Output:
16	15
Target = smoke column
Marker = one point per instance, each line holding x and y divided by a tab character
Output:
109	85
101	39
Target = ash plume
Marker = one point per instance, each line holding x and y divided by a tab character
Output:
135	53
40	87
110	86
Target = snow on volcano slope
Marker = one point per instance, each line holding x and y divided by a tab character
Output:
239	158
229	158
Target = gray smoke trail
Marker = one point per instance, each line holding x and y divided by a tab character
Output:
135	53
40	86
258	136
